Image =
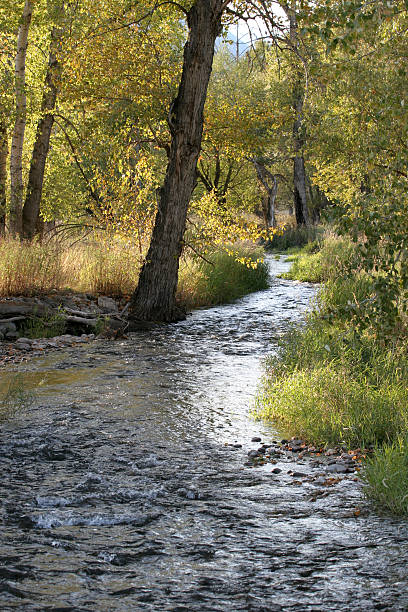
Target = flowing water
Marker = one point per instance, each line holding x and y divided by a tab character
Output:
121	488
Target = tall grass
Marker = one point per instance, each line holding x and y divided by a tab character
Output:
28	269
100	265
222	278
386	477
323	261
337	398
110	266
293	236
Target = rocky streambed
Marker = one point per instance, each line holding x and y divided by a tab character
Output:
67	319
137	480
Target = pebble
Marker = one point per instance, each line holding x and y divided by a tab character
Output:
276	471
256	439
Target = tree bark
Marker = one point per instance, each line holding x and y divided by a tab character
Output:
299	189
16	157
155	295
41	147
299	172
270	183
3	175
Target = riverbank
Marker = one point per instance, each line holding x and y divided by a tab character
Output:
334	384
46	317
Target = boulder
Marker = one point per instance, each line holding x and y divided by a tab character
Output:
7	326
107	304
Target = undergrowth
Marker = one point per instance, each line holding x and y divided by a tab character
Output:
323	261
334	383
105	265
294	236
45	326
221	278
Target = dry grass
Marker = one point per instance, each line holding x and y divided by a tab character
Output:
111	266
100	265
28	269
108	267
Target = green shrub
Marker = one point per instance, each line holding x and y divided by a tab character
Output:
14	396
386	477
44	326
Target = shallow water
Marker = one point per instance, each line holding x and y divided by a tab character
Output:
120	493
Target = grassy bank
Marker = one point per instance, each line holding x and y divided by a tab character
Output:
221	277
110	266
294	237
334	385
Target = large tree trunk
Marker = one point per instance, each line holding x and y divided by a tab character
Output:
16	157
3	175
32	202
154	298
299	172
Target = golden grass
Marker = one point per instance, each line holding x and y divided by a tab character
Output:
101	265
110	266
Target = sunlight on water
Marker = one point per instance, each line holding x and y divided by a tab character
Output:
123	491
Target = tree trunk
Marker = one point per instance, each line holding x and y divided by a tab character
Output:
155	296
16	157
270	184
32	202
3	175
299	173
299	189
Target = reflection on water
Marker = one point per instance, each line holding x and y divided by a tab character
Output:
120	492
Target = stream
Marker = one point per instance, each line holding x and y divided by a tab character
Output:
122	489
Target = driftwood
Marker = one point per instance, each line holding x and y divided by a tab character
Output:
80	313
12	319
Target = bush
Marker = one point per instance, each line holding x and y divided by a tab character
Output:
14	397
44	327
224	279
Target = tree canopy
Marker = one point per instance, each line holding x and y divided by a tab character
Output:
308	115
